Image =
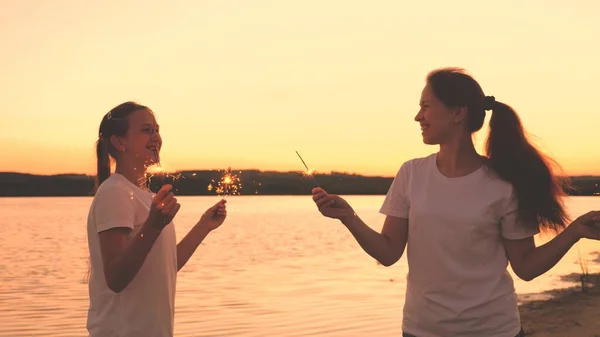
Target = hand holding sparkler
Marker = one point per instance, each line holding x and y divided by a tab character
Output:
214	216
331	205
163	209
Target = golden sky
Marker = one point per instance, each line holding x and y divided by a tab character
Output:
246	83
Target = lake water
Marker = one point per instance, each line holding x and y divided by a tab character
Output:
275	268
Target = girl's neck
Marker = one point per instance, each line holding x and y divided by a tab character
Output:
136	175
458	158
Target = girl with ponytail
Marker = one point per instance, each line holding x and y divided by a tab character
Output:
134	257
464	217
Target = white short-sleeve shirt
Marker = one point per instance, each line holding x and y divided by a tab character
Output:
457	283
146	306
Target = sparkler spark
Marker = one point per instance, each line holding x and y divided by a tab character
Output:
162	175
156	157
309	172
229	184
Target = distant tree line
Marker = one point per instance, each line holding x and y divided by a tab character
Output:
253	182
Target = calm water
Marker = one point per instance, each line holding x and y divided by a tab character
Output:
275	268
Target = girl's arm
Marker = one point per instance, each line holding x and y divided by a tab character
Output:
386	247
210	220
529	261
123	256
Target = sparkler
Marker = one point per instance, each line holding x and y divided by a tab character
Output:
162	174
309	172
229	184
164	178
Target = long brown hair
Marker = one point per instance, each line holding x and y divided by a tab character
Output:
540	192
116	123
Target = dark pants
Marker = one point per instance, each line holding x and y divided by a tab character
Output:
520	334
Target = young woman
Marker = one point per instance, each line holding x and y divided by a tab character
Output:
464	216
131	236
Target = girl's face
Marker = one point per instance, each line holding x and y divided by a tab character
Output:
142	143
439	124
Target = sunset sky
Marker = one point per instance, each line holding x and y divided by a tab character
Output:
246	83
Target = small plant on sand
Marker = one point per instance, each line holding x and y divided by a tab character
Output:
585	274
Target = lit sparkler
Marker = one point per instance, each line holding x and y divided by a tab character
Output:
229	184
309	172
162	174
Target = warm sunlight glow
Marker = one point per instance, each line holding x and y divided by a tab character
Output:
247	84
155	169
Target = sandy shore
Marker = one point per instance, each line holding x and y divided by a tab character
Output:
567	312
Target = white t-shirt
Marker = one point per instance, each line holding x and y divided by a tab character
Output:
457	283
146	306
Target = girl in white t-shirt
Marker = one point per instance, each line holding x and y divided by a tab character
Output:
463	217
134	256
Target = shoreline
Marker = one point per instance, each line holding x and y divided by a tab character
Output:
247	183
567	312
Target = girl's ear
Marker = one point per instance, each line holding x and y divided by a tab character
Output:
118	143
460	114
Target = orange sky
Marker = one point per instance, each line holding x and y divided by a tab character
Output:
246	83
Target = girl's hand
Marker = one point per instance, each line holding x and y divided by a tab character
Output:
214	216
586	226
330	205
163	209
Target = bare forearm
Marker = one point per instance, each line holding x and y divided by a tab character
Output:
121	270
373	243
187	246
543	258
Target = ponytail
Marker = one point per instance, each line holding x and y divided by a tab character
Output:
539	191
103	162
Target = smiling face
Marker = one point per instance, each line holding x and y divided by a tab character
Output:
439	123
142	143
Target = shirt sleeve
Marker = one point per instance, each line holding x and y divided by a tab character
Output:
114	207
396	201
510	226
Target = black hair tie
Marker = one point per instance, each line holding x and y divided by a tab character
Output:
489	102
